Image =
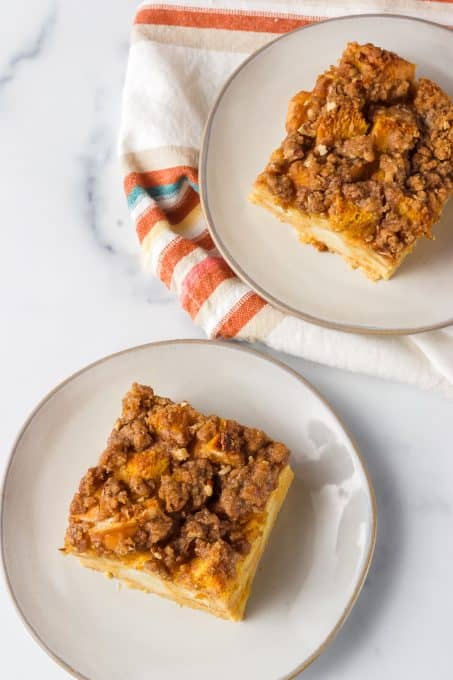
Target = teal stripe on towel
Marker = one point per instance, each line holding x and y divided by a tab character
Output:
166	190
135	195
159	191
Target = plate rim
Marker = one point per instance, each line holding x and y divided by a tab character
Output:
223	250
233	346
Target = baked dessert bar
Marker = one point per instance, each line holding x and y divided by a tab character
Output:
367	163
180	504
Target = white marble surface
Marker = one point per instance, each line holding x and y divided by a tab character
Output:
72	290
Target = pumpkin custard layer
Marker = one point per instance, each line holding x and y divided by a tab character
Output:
180	504
367	163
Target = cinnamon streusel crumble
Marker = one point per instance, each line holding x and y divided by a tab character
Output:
180	504
367	163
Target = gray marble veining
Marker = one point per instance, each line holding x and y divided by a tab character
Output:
31	50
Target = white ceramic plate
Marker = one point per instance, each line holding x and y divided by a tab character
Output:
310	575
247	122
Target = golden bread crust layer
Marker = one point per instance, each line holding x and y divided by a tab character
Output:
370	151
227	602
178	496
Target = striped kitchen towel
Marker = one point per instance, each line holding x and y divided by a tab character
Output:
180	55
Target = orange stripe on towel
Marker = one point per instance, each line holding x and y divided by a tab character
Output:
173	215
171	255
165	176
201	282
179	212
242	312
147	220
204	240
259	22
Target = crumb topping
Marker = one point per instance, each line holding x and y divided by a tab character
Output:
369	148
175	485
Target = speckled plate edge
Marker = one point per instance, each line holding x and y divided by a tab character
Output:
230	346
228	257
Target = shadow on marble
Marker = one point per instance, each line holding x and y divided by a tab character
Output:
332	464
357	633
310	540
287	560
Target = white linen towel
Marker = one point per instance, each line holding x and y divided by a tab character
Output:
180	56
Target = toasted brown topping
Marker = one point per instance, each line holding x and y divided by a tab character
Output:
113	495
158	527
395	129
360	147
137	401
157	566
257	439
219	555
369	148
274	452
206	430
78	537
245	491
204	525
281	185
140	488
188	487
86	497
175	485
172	423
